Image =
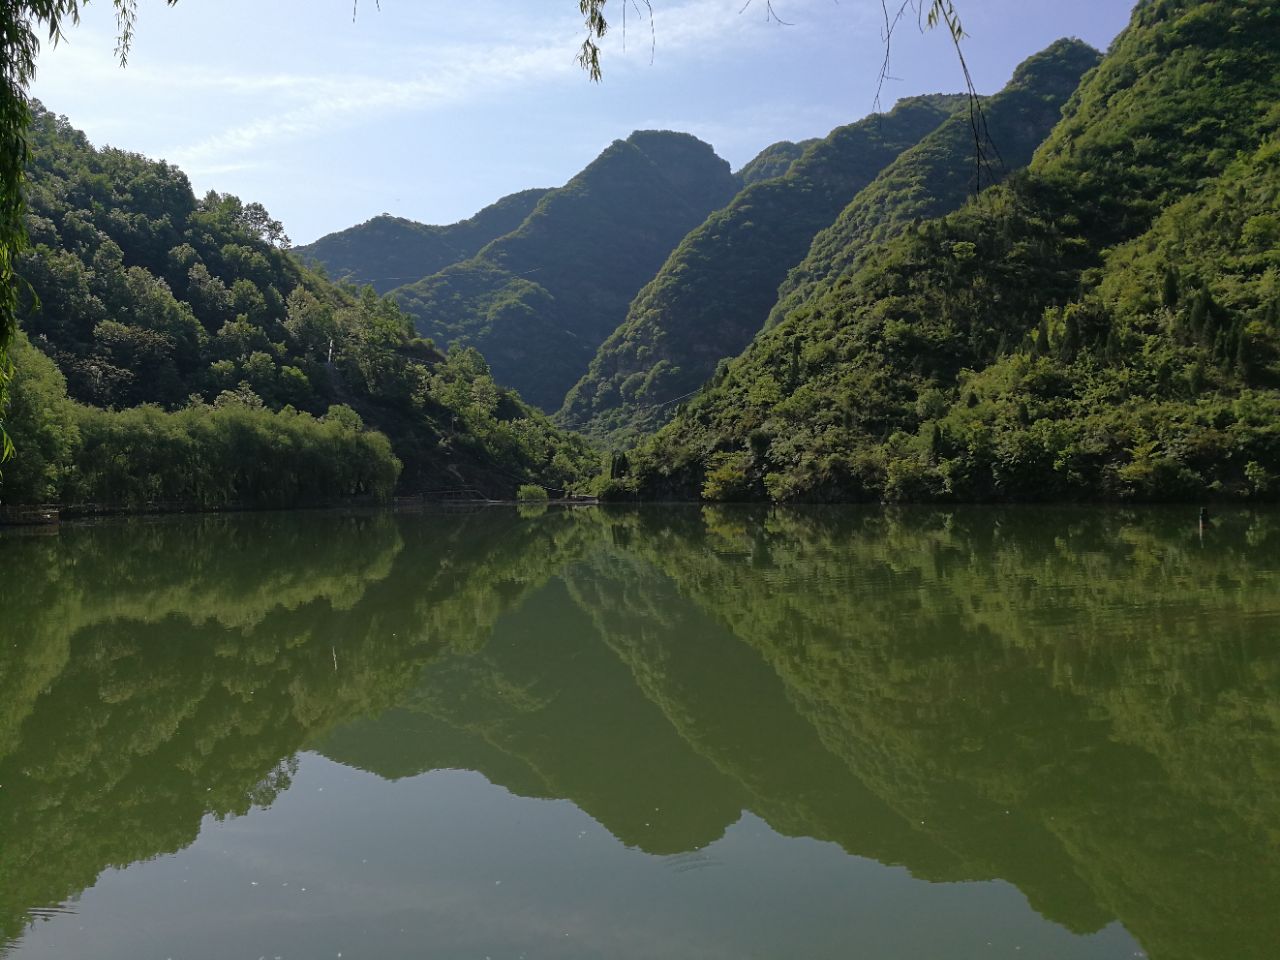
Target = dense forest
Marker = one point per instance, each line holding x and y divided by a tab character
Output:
712	294
947	168
1103	325
716	291
175	351
628	660
1067	290
773	161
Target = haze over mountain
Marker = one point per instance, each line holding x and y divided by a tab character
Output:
539	301
388	252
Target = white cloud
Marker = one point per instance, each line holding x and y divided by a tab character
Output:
286	106
271	110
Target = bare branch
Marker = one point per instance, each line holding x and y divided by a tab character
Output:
769	13
929	15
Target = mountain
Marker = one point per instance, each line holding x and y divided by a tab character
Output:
708	305
174	351
774	160
1102	326
539	301
714	292
389	252
946	168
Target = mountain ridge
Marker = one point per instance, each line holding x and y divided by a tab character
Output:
714	291
388	251
943	367
527	301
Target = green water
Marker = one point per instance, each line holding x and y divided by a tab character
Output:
670	732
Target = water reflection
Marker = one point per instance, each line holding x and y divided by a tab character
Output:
1085	704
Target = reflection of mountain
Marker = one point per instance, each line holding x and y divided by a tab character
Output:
732	709
724	697
155	673
568	721
1086	704
1083	705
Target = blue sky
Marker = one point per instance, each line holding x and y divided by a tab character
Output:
431	109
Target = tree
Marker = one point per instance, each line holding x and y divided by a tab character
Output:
42	421
21	23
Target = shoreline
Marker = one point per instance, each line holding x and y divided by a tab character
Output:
49	515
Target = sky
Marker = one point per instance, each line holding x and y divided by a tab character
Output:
432	109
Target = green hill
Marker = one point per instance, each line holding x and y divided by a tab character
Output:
539	301
706	306
714	292
944	170
198	362
389	252
774	160
1102	326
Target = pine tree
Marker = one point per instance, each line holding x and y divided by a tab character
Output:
1243	351
1042	339
1170	293
1200	315
1070	345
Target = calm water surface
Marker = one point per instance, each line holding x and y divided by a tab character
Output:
659	733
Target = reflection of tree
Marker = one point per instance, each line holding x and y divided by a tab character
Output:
550	698
732	709
204	569
156	673
1085	704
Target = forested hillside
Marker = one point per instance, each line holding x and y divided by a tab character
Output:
539	301
774	160
948	167
196	361
1103	326
714	292
388	252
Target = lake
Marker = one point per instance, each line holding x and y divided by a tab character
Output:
667	732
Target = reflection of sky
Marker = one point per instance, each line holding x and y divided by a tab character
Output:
447	865
431	110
